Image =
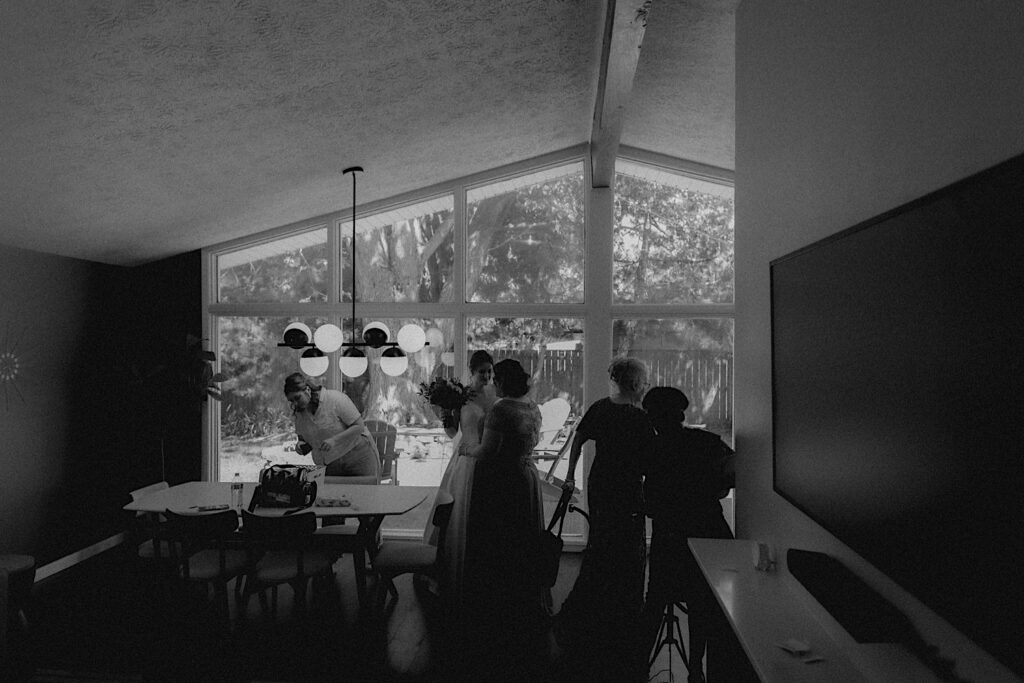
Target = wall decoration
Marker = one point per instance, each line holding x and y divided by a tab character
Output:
12	366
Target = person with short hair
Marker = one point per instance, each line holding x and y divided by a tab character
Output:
330	429
598	625
691	469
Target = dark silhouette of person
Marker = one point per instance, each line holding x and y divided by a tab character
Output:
599	626
689	471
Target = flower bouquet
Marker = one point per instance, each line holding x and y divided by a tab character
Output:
448	396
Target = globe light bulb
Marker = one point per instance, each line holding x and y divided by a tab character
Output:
393	362
411	338
376	334
297	335
313	362
328	338
353	362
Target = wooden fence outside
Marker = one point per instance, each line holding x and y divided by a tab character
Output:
704	376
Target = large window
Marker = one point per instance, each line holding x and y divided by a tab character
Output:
673	284
255	420
551	351
497	261
673	238
691	354
525	238
292	269
402	255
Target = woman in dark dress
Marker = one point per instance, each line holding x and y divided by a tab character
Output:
599	619
691	469
504	616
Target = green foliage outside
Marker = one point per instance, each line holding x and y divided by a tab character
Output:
299	275
526	245
671	245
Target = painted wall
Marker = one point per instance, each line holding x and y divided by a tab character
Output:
71	444
845	110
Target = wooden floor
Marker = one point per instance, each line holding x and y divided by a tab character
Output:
106	620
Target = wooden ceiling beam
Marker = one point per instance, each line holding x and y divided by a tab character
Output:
625	23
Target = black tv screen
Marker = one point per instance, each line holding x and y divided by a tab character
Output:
898	398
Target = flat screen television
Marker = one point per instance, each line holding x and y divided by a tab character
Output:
898	398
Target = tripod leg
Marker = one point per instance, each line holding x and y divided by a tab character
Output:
670	634
678	642
664	638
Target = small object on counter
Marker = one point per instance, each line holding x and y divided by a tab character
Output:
795	647
333	502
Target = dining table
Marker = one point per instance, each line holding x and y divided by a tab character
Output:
369	504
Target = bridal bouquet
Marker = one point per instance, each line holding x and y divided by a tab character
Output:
448	395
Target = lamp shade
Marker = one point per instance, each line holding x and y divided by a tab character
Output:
297	335
328	338
393	362
411	338
313	362
353	362
376	335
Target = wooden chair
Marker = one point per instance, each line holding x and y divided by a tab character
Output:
403	557
551	485
554	414
385	435
146	533
562	452
281	551
205	551
344	539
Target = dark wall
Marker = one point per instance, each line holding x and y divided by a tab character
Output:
165	425
73	439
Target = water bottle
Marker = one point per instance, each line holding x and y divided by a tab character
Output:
236	492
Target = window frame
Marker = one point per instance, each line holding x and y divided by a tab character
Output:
597	310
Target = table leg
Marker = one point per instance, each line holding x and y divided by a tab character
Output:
368	529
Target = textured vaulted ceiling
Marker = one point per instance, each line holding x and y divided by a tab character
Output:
133	130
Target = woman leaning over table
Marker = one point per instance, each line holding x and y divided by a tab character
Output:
601	614
331	429
505	603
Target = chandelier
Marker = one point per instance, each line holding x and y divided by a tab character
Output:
329	338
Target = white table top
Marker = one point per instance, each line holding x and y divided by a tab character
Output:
768	608
763	612
366	501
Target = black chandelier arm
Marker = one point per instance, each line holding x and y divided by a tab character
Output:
358	344
374	336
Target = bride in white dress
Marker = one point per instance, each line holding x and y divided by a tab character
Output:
458	476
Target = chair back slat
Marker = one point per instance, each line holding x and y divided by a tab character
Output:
203	527
195	532
278	530
289	533
385	436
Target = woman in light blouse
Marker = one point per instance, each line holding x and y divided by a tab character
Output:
331	429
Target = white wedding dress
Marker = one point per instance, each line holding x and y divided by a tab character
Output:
458	480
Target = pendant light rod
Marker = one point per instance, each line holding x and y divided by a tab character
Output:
376	335
353	170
